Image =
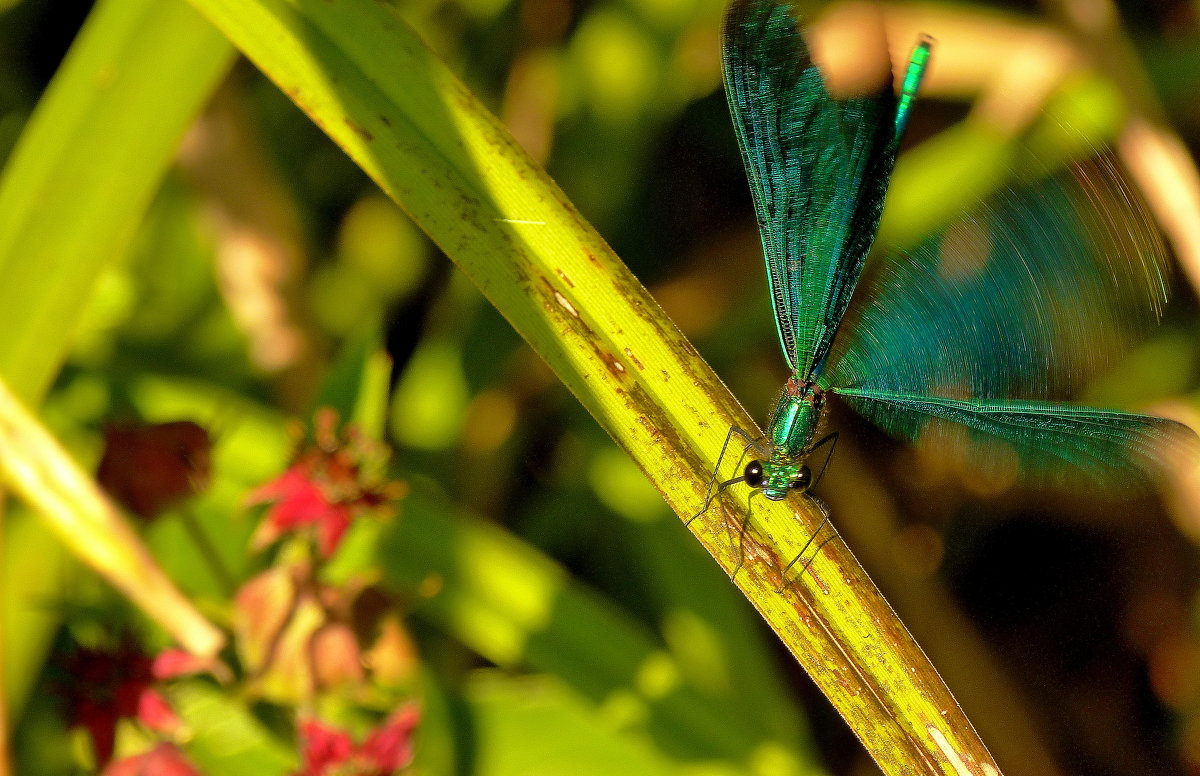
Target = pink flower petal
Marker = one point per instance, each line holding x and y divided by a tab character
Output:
331	529
390	746
162	760
324	747
173	662
280	487
155	713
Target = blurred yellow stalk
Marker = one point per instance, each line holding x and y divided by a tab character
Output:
43	474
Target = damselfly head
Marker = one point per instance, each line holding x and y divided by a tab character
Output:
777	479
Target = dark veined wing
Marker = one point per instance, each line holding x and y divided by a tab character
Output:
818	171
1042	442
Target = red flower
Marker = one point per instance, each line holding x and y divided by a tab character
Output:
149	468
328	485
173	662
300	502
102	687
162	760
388	748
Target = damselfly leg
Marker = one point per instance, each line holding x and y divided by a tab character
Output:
752	443
824	521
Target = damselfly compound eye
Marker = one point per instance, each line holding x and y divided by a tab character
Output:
802	479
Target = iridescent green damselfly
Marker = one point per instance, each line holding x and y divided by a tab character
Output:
926	350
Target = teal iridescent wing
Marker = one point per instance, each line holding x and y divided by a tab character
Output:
1026	297
1023	299
1029	440
818	170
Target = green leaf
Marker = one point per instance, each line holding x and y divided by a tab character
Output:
367	80
94	152
72	194
516	607
224	737
357	387
572	738
37	569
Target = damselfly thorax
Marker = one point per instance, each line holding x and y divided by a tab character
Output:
793	426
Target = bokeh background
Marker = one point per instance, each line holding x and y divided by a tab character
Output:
1065	623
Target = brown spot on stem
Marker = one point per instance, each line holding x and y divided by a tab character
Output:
359	130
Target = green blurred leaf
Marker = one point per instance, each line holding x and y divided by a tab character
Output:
573	738
225	737
516	607
72	193
37	573
430	402
93	154
357	387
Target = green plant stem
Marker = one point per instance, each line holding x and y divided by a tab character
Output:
5	753
43	474
207	551
370	83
